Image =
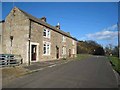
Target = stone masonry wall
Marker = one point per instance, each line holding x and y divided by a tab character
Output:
16	25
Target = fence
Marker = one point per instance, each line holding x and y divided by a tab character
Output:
7	60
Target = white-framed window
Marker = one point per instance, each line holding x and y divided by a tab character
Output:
73	51
63	39
46	48
73	42
63	50
0	38
46	33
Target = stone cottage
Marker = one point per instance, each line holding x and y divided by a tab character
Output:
34	39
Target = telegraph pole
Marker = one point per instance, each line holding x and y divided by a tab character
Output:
119	28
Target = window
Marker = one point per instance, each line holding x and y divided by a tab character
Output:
63	50
73	42
64	39
0	38
46	33
73	50
46	48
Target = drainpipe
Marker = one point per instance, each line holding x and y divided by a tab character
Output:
29	43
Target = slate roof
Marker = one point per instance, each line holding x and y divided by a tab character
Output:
47	25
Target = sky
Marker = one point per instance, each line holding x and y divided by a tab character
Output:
84	20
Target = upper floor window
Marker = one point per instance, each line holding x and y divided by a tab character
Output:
64	39
73	42
46	33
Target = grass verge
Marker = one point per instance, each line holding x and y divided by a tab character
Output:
115	63
83	56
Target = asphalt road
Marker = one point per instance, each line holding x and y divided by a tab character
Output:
94	72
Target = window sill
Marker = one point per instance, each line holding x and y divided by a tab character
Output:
46	37
46	54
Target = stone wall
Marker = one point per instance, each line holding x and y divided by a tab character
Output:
55	40
16	25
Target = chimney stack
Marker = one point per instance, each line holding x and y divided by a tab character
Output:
58	26
43	19
68	33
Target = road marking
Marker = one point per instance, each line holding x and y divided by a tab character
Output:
52	65
38	69
49	66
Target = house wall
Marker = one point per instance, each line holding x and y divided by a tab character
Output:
55	40
16	25
1	25
36	37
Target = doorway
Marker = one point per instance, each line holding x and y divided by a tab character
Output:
69	52
33	52
57	52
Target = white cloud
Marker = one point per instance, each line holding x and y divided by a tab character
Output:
112	28
106	34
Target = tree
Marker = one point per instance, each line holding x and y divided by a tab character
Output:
115	51
90	47
112	50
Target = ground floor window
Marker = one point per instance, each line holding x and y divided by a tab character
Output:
46	48
63	50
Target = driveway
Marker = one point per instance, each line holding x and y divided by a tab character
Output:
94	72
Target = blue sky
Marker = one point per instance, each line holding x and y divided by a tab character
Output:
84	20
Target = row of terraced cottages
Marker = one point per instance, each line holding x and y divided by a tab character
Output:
34	39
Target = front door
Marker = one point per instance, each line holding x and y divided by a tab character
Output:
69	52
33	52
57	52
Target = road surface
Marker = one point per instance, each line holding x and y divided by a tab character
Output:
94	72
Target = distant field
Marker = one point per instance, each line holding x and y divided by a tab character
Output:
115	63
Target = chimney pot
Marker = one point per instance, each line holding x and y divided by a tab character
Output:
68	33
58	26
43	19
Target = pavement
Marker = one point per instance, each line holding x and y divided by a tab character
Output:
93	72
38	65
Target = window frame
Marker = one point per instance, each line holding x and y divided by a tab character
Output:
64	50
73	51
63	39
47	33
73	42
47	46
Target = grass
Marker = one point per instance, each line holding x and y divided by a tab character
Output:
82	56
115	63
